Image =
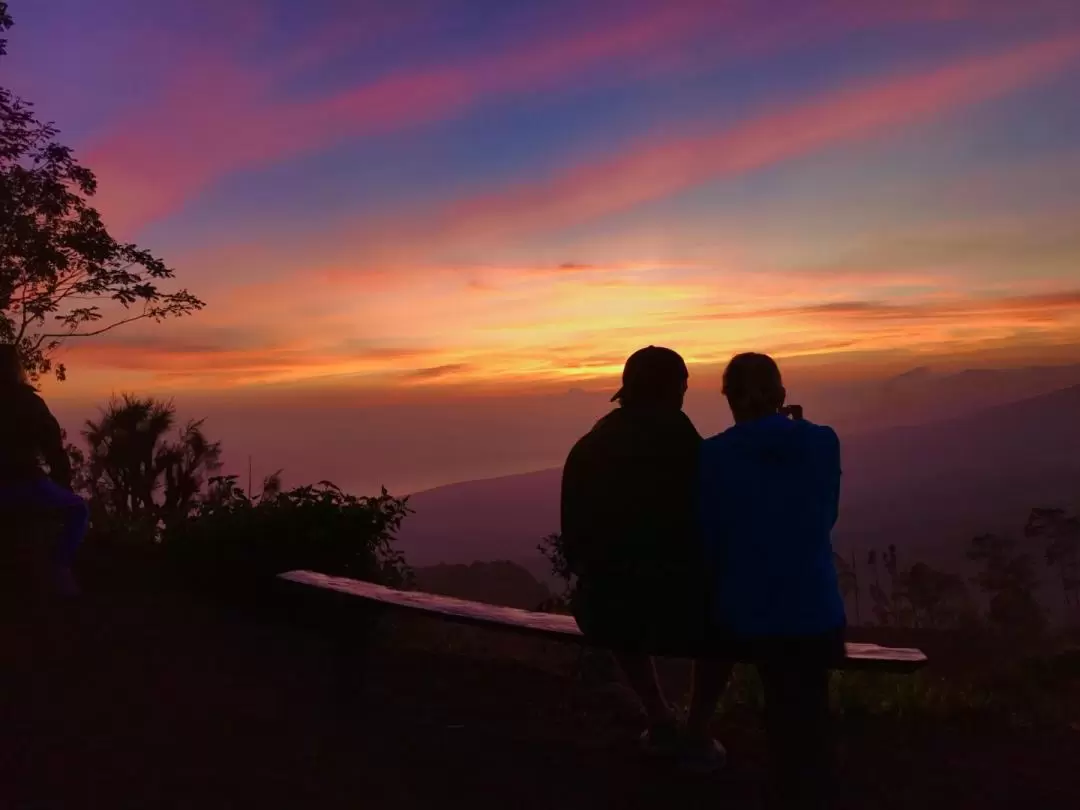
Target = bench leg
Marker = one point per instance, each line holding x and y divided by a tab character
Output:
356	635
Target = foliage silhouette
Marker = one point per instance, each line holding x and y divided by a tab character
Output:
919	596
1061	532
938	599
151	485
135	477
58	263
845	573
1008	579
554	551
891	607
229	536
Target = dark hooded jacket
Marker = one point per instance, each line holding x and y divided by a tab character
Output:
29	435
629	529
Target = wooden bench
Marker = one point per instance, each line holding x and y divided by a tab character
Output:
551	625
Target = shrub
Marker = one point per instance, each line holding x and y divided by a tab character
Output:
230	536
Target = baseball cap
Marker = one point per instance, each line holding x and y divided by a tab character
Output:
651	369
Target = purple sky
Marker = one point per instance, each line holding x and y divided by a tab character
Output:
467	201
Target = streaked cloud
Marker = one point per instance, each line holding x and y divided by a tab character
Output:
588	230
1048	308
220	117
435	372
663	166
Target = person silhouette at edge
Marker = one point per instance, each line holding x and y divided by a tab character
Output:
630	537
29	433
770	490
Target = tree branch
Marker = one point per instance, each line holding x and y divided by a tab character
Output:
63	335
25	317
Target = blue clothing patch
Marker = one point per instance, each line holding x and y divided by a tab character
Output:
769	497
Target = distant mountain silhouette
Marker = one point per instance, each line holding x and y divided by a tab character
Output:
494	518
915	375
928	485
927	488
498	583
922	395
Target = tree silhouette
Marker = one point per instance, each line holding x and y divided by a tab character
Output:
1008	579
848	580
553	549
1062	535
845	575
919	596
937	599
58	262
225	489
890	607
134	474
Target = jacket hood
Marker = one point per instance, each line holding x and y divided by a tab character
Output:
771	437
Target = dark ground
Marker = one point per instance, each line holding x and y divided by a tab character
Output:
147	698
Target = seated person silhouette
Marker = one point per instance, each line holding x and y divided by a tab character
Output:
29	434
769	497
630	535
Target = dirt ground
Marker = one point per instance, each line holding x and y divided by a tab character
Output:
142	698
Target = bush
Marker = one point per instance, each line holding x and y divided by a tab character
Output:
1018	697
230	536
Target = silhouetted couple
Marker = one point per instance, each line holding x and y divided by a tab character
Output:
716	549
30	435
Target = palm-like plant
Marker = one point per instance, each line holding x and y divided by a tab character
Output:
135	473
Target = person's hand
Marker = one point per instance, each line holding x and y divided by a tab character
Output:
794	411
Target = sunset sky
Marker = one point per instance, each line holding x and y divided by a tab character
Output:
485	196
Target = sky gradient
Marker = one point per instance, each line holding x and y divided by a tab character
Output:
476	197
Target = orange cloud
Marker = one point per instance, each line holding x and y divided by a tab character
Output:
435	372
1047	308
202	363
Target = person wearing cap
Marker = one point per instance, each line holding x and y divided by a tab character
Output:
29	434
630	537
769	497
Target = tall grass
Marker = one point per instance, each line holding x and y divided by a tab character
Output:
1016	698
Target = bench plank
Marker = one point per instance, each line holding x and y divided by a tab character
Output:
552	625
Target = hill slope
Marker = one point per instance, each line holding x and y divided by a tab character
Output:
926	486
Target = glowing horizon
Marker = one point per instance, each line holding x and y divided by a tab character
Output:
411	197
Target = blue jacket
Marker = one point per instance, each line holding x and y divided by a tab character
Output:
769	498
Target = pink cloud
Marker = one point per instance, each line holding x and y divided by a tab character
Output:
217	116
663	167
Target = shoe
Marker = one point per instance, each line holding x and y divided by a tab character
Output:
702	756
662	739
